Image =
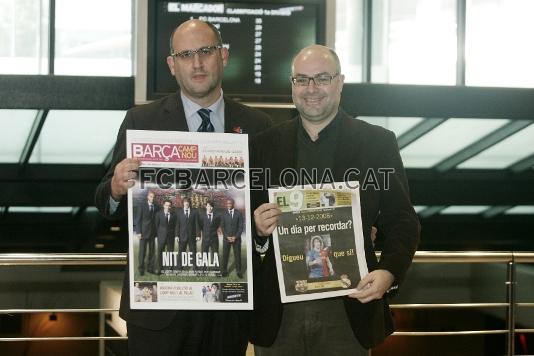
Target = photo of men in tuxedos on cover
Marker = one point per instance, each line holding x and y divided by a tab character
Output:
165	222
232	228
145	229
186	228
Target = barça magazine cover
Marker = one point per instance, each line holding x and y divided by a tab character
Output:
188	221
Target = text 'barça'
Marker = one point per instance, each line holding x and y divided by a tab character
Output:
165	152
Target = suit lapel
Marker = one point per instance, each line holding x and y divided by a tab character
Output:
231	121
286	148
348	152
173	118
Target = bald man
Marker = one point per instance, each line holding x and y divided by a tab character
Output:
324	138
197	59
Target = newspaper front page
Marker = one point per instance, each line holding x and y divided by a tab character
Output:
318	242
188	221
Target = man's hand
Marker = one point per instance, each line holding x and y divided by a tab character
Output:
198	238
373	286
140	236
123	177
266	218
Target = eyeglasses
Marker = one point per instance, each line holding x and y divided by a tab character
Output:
318	80
202	52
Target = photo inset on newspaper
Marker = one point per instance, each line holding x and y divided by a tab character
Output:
318	243
188	227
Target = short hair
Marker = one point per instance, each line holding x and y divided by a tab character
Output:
210	203
186	199
210	25
167	201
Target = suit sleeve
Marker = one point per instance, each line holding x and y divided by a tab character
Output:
138	220
103	190
397	220
177	227
240	226
157	222
195	224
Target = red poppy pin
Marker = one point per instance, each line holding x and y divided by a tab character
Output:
237	129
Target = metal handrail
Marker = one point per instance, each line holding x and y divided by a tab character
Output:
92	259
511	258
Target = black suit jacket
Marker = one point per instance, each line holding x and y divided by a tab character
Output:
144	220
209	229
186	228
165	228
232	226
168	114
362	146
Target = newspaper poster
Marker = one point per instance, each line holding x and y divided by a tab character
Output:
188	221
318	242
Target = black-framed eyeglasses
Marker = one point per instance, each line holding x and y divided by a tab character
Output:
202	52
318	80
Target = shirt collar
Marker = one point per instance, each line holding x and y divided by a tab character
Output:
191	108
330	129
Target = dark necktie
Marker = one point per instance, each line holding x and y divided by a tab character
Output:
206	125
187	214
209	217
167	215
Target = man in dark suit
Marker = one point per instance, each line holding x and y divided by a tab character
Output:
208	224
186	228
326	139
196	61
165	222
232	227
145	229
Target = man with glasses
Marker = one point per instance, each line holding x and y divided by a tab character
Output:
197	58
324	138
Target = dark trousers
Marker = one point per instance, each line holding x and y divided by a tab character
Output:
167	244
236	247
314	328
146	251
213	245
192	243
196	333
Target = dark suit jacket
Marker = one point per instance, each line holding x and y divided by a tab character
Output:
164	228
168	114
363	146
209	229
232	226
186	228
144	220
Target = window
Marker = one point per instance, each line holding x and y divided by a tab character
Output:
504	153
15	126
349	38
414	42
77	137
93	37
24	36
499	43
447	139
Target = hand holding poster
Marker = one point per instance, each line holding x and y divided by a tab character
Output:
189	232
318	242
